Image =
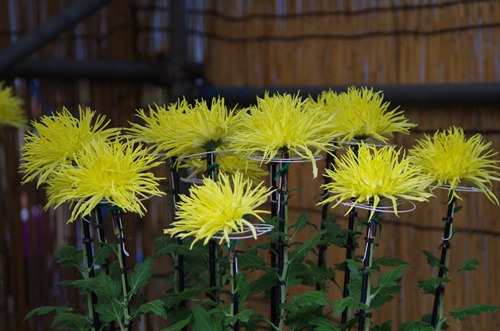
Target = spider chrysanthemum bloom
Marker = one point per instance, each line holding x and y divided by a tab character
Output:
158	125
183	129
284	124
228	164
328	102
105	170
11	113
362	114
451	159
375	174
219	208
57	139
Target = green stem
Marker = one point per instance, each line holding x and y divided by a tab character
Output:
440	319
124	286
233	265
85	275
368	291
364	319
282	277
118	228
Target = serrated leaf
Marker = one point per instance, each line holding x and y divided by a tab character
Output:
251	262
263	283
110	310
392	277
155	306
387	284
388	261
179	325
165	246
311	298
71	321
349	302
41	311
322	324
202	321
468	265
432	260
386	326
69	256
102	286
354	268
141	274
430	285
415	326
301	222
101	255
460	313
302	249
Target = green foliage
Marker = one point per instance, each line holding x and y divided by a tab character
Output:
203	321
309	310
415	326
461	313
386	326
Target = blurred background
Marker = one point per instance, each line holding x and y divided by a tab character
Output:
438	60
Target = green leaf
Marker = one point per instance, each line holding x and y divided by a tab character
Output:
71	321
42	311
303	248
141	274
349	302
311	298
387	261
179	325
388	284
432	260
102	286
468	265
322	324
69	256
165	246
110	310
155	306
415	326
392	277
354	267
460	313
430	285
101	255
262	283
384	327
301	222
457	209
202	321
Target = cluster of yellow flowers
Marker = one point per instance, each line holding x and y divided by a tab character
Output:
83	162
11	113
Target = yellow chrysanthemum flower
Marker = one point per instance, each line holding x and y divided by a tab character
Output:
284	123
218	208
159	123
11	113
328	102
362	114
105	170
450	159
228	164
183	129
56	140
374	174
